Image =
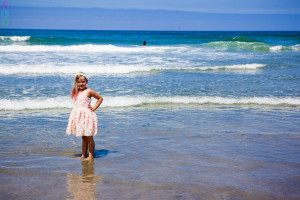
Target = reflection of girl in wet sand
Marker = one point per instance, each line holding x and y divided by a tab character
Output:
83	187
83	121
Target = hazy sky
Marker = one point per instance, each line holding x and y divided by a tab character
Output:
155	14
214	6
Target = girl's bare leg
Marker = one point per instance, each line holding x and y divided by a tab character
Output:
84	146
91	147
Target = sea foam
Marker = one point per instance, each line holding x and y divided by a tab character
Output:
128	101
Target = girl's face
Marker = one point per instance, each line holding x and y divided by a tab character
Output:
81	83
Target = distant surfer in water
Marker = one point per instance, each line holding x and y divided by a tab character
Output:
144	43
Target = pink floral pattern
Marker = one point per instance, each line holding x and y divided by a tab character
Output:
82	121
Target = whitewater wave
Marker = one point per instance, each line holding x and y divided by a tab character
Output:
90	48
111	69
129	101
14	38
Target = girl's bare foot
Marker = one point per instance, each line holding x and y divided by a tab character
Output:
90	158
81	157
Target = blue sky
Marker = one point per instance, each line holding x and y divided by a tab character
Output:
155	14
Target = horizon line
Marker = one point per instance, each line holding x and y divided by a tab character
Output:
150	30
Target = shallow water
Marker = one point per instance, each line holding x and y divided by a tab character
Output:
154	152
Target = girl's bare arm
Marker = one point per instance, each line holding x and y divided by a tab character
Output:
96	96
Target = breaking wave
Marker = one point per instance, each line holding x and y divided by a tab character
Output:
109	48
129	101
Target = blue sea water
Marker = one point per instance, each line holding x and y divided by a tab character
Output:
192	115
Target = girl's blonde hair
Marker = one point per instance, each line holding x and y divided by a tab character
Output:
75	87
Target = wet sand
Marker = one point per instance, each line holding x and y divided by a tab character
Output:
154	153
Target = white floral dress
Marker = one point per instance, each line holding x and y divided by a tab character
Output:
82	121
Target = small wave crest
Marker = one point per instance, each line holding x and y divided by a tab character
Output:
237	45
111	69
241	39
129	101
281	48
14	38
253	66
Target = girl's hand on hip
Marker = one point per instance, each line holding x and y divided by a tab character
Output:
91	108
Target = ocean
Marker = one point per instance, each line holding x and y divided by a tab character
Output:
191	115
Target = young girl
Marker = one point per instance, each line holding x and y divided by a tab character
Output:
83	121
